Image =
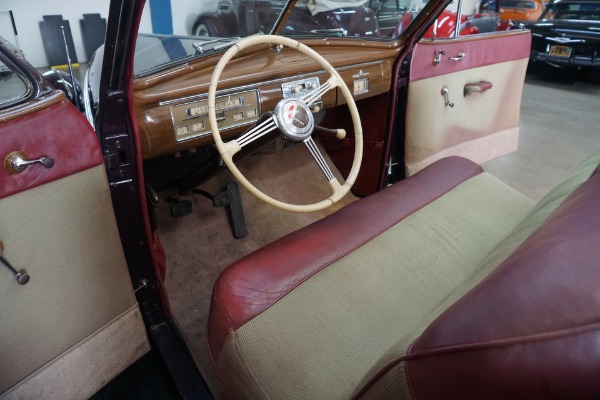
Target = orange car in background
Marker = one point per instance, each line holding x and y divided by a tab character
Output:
521	10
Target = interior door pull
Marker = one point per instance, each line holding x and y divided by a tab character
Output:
459	56
477	87
22	277
17	161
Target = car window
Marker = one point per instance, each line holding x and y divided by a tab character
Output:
476	17
518	4
13	87
576	11
185	29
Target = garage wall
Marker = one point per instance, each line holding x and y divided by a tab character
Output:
28	15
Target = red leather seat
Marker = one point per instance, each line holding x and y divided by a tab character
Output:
523	323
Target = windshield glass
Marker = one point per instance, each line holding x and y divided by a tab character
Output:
174	31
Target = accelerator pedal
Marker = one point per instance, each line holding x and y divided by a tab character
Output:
229	197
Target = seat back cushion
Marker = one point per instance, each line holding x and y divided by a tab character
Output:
525	325
308	316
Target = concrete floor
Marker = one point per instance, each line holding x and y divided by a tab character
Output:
560	127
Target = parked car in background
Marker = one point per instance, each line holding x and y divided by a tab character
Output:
521	10
246	17
567	35
475	17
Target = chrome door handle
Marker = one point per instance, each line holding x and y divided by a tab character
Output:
17	161
459	56
21	276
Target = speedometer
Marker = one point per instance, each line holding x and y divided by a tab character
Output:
202	110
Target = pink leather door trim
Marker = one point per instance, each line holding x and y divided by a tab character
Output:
58	131
501	48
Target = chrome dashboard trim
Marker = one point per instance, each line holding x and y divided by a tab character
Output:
237	89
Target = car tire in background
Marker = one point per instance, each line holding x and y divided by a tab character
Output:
219	25
200	28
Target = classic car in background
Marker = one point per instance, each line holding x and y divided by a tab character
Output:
475	17
246	17
356	18
567	35
116	226
521	10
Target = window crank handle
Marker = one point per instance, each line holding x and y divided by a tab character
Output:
21	276
446	94
437	59
17	161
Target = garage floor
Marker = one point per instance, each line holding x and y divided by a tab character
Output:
560	127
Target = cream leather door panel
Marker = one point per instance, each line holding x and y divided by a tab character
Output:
76	323
464	97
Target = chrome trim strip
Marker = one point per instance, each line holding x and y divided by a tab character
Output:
87	102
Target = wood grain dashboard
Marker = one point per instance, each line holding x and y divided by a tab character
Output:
171	105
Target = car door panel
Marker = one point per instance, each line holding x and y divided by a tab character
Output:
479	125
77	317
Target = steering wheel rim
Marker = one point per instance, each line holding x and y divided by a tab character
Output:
229	149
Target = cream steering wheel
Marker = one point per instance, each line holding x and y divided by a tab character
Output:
294	119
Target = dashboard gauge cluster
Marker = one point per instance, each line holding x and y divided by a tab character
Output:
190	120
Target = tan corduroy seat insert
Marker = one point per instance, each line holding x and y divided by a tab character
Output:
321	340
393	381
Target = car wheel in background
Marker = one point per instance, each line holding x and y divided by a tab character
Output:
201	29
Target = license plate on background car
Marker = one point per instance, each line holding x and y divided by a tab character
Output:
560	51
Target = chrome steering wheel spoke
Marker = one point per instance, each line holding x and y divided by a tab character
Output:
316	153
258	131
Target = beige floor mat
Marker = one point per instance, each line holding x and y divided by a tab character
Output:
200	245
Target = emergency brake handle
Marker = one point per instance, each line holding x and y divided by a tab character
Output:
477	87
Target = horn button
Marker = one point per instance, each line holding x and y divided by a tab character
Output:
294	119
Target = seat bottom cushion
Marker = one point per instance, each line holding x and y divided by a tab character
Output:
321	336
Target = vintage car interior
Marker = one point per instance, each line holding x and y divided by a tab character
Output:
291	215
